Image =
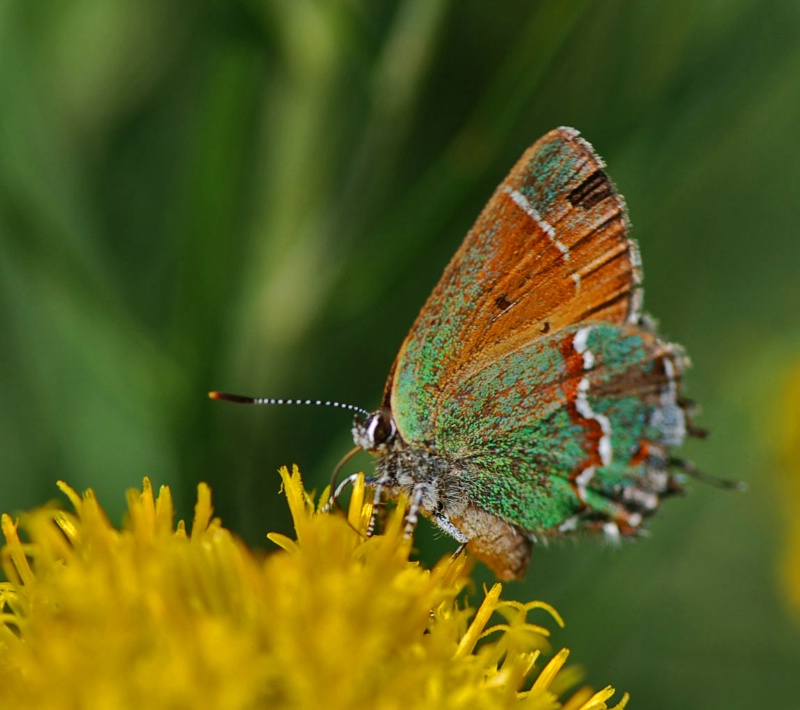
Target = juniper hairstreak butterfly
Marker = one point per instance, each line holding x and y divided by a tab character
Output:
532	396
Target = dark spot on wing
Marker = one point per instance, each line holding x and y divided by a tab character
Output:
592	190
503	303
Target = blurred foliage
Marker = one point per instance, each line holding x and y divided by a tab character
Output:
786	432
257	196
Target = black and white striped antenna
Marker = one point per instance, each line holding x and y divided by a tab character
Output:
239	399
335	488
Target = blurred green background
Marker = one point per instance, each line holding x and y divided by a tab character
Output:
258	197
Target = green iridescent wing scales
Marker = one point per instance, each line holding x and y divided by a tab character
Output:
523	441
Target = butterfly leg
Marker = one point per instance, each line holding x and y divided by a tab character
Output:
443	523
334	497
459	550
376	502
412	516
691	470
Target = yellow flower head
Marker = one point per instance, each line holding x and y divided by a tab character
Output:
152	617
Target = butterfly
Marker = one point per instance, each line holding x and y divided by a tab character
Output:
532	397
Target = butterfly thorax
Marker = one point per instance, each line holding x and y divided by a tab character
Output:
402	468
437	486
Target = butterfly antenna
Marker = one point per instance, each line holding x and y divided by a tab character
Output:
239	399
336	491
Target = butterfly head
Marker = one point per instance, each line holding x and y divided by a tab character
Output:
376	433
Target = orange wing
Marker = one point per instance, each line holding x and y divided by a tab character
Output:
550	249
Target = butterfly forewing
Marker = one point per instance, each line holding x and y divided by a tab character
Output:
550	249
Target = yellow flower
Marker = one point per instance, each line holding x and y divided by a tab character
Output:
152	617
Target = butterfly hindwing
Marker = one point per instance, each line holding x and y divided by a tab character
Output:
571	424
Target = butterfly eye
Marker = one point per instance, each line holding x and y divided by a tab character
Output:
379	429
